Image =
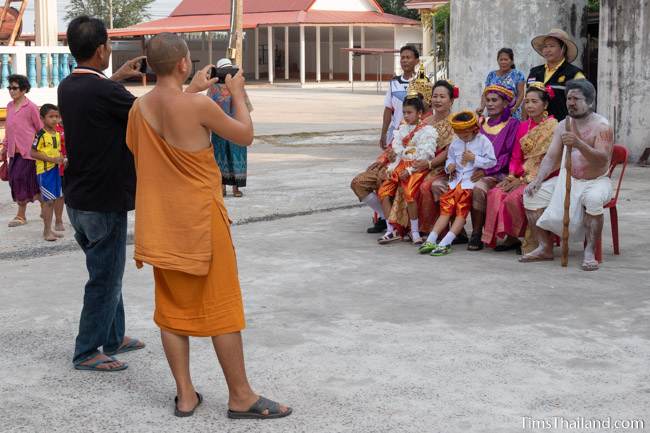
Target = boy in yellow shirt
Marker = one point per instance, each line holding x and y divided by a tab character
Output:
46	150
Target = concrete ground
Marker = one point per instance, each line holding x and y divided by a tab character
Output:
355	336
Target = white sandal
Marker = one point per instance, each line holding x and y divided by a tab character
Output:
388	238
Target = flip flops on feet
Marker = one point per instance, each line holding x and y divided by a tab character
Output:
263	408
183	414
590	265
101	365
388	238
17	221
529	258
129	345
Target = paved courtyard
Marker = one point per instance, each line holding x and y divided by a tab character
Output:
356	337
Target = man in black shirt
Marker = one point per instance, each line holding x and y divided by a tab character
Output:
99	189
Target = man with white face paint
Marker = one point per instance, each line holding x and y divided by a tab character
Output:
590	140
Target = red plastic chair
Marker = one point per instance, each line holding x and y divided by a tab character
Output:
619	157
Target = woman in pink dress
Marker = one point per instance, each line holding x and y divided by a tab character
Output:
23	121
505	216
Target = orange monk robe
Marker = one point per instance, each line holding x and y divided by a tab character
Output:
182	230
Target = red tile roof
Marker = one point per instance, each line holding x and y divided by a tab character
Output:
217	22
222	7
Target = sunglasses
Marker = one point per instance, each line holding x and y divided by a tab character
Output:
13	87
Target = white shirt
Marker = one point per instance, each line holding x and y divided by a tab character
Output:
481	147
395	95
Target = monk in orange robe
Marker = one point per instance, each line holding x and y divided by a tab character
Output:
182	227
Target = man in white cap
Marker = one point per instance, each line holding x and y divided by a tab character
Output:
560	51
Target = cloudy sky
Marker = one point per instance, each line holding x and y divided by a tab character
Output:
158	9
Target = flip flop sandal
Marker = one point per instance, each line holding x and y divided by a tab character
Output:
256	411
133	344
475	243
17	222
238	194
505	247
181	414
388	238
533	259
418	241
95	366
591	265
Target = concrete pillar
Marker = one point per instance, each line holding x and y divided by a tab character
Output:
427	35
302	55
257	53
623	73
479	29
350	55
318	54
45	23
269	37
397	67
363	58
331	53
286	52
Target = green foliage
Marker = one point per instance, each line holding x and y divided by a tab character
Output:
593	5
396	7
125	12
442	16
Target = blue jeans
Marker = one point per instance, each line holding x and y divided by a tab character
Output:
102	237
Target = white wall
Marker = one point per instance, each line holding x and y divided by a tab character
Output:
406	35
343	5
623	73
480	28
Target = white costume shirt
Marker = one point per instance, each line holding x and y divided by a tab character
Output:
481	147
422	146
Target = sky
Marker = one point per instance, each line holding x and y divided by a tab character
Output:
158	9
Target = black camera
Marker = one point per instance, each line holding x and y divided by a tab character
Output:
222	72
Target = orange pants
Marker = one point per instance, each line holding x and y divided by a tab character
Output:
457	201
410	186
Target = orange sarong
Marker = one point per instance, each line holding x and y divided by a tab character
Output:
410	186
182	230
456	202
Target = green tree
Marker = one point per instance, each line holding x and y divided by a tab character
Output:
593	5
125	12
396	7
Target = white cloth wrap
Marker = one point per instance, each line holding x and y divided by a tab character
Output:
586	196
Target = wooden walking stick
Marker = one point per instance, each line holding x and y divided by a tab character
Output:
567	201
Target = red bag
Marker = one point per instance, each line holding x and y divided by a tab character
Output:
4	168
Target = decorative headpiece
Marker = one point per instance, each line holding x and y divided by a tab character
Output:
420	86
502	91
456	90
463	121
542	88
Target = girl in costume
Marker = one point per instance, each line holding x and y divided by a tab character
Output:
413	141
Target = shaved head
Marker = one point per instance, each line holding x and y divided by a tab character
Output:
164	52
